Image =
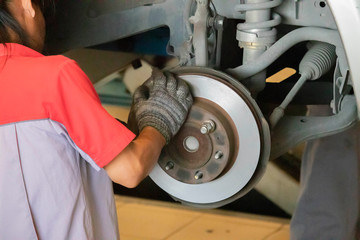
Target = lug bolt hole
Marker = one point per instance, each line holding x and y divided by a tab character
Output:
322	4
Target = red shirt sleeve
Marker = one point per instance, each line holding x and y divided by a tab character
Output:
89	125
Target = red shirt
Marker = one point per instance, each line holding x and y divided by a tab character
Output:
55	137
34	87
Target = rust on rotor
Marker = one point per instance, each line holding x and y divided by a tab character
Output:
194	157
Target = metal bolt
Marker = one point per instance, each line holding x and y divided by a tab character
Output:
198	175
169	166
207	127
219	22
219	154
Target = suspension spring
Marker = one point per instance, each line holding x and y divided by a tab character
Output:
258	30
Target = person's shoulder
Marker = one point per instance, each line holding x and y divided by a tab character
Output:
57	67
54	62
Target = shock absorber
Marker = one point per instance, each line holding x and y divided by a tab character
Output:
257	34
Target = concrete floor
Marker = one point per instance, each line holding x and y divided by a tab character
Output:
141	219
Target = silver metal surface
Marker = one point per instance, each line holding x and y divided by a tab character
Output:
98	8
286	42
198	175
292	130
256	35
311	13
169	166
219	155
347	16
249	154
200	41
208	127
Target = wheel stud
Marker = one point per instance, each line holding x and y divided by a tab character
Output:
198	175
169	166
219	154
207	127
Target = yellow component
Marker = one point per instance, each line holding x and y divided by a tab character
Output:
281	75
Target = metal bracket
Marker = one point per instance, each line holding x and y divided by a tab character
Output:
199	20
340	89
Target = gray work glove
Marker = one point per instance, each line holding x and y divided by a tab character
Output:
162	102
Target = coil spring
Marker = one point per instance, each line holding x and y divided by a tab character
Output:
276	18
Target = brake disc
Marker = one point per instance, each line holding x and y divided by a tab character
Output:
222	149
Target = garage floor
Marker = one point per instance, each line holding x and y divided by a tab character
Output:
141	219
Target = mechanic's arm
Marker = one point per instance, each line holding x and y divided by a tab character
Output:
160	107
135	162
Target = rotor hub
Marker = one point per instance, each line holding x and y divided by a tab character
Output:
196	156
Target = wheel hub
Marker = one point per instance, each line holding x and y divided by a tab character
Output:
195	156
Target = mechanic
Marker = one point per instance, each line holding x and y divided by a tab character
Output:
328	205
59	148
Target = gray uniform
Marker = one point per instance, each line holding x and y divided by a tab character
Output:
328	206
55	137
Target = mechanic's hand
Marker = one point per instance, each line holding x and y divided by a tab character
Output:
162	102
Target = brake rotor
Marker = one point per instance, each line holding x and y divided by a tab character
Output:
222	149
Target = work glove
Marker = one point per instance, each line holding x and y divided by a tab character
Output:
162	102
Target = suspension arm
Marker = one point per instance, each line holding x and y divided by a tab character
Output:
285	43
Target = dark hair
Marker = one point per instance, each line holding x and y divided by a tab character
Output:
8	22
